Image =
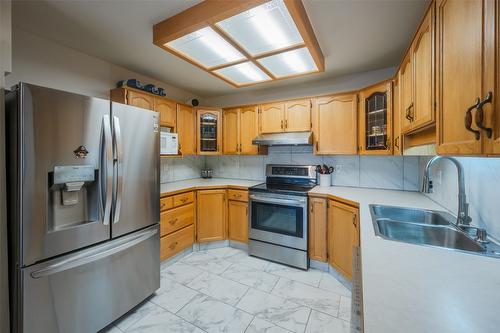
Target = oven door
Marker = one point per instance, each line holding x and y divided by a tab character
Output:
279	219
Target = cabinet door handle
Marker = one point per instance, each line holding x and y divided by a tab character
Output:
173	245
286	123
354	221
282	124
172	222
468	120
411	113
407	114
396	142
317	145
479	118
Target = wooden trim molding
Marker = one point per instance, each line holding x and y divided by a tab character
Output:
209	12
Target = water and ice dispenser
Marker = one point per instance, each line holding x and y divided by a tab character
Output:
73	196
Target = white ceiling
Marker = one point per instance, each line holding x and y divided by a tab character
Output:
354	35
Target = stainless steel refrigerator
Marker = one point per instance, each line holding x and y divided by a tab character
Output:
83	209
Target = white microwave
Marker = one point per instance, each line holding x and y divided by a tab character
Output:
169	143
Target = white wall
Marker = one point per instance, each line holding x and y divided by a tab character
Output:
43	62
482	185
5	61
338	84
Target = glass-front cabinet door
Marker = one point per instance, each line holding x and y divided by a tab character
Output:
375	119
209	132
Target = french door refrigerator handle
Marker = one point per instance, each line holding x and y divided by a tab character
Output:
118	160
94	254
106	170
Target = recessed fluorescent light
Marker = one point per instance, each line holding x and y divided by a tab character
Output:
290	63
265	28
206	47
243	73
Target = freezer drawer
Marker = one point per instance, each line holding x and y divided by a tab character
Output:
86	291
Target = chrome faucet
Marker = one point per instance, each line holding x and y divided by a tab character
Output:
463	218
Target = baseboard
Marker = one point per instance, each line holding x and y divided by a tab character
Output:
238	245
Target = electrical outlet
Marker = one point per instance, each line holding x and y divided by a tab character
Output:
338	168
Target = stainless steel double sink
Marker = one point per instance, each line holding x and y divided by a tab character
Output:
425	227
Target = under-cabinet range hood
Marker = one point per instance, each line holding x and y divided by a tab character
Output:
284	139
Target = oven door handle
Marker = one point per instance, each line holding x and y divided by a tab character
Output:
278	201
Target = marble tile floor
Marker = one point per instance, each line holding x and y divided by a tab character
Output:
225	290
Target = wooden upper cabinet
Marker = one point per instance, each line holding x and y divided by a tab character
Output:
272	118
317	229
186	127
141	100
248	128
423	69
297	115
460	63
231	131
237	214
335	124
211	215
168	111
209	131
396	123
406	92
343	234
375	119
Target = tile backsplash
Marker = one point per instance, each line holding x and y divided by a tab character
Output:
388	172
482	184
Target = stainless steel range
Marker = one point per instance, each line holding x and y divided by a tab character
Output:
278	214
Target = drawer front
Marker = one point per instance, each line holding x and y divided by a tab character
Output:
239	195
176	242
183	198
166	203
177	218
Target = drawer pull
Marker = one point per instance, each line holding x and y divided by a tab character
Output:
173	245
184	200
172	222
479	118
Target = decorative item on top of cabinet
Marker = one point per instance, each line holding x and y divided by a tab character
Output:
240	127
237	214
375	119
186	127
209	131
211	213
317	229
343	234
462	79
396	123
335	127
134	97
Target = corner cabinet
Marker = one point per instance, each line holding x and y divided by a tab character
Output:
317	224
186	127
335	127
343	235
211	214
209	132
375	119
466	79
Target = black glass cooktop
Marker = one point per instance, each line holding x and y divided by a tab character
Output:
294	189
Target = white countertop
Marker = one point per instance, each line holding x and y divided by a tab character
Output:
201	182
411	288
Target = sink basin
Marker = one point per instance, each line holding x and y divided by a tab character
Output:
412	215
428	234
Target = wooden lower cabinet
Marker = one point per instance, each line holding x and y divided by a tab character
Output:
177	220
317	246
237	214
176	242
343	234
211	213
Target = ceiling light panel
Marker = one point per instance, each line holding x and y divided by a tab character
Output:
244	73
262	29
293	62
206	47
